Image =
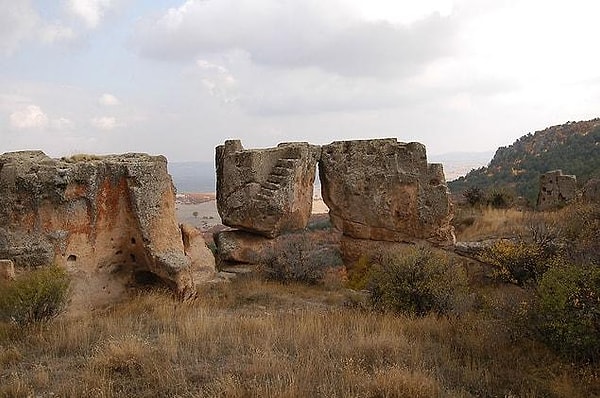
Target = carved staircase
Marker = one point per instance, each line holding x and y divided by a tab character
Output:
280	173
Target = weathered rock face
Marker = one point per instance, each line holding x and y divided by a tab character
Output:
265	191
385	190
106	219
556	189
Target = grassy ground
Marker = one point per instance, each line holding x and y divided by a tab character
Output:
255	338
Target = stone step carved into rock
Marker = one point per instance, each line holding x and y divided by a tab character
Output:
266	191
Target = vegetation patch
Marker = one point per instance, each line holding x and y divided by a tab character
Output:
417	282
35	296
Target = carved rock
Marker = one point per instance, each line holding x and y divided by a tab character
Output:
385	190
107	219
266	191
556	189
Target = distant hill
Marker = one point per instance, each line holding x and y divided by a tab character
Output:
573	147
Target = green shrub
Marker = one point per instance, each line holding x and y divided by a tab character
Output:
474	196
297	258
36	296
500	199
567	314
418	282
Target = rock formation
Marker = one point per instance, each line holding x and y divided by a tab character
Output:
556	189
385	190
110	220
380	193
265	191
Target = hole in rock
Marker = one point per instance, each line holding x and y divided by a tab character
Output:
133	241
72	257
132	257
146	278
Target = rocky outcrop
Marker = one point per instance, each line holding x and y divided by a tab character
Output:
107	219
385	190
265	191
556	189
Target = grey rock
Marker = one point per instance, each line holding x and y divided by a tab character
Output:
385	190
556	190
266	191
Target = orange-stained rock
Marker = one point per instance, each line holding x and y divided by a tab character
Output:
266	191
385	190
107	219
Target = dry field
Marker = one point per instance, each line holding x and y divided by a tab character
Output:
262	339
253	338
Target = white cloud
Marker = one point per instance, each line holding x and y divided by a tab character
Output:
62	124
56	32
108	100
29	117
17	21
91	12
105	122
291	34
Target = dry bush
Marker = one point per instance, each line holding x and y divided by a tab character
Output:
417	281
299	258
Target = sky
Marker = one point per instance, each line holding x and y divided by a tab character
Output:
178	78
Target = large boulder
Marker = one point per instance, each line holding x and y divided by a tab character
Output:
265	191
556	189
385	190
107	219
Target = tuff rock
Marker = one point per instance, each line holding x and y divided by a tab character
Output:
384	190
265	191
107	219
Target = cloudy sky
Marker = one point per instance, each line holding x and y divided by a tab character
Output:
179	77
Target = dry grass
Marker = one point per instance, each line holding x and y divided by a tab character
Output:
253	338
485	223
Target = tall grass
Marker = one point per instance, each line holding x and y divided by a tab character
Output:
253	338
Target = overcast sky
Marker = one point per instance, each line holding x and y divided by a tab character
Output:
179	77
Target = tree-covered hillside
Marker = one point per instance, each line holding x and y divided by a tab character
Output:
573	147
